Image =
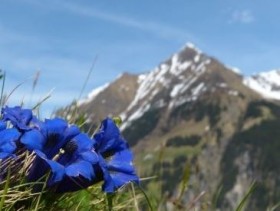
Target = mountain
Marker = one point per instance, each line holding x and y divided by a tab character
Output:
265	83
193	114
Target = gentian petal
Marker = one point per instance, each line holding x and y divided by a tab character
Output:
3	125
90	156
80	168
115	180
121	179
122	162
8	138
71	132
57	169
108	185
84	143
108	137
19	117
33	139
4	155
55	126
38	169
118	170
110	129
8	147
58	172
9	135
70	184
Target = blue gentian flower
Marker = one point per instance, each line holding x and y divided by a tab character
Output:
77	167
8	139
49	136
116	160
65	152
73	160
19	118
118	171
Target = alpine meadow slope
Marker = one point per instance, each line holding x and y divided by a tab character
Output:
193	112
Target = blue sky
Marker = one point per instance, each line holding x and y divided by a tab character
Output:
61	39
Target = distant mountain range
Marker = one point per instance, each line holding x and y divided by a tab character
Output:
194	110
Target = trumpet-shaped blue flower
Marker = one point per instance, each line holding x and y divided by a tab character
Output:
116	160
49	136
19	118
64	151
118	171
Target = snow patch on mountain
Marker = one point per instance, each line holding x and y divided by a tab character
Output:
176	89
93	94
236	70
196	58
198	89
266	83
177	67
192	46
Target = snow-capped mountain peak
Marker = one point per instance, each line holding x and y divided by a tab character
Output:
266	83
192	46
183	78
177	76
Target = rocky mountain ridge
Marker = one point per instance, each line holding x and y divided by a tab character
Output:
181	72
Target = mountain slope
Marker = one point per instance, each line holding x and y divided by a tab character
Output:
108	100
193	111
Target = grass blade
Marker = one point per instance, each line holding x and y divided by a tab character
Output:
41	193
147	198
242	204
275	207
5	190
185	181
87	78
43	99
3	77
134	197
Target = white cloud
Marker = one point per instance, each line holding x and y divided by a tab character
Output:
242	16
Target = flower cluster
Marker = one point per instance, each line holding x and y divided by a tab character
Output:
71	159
